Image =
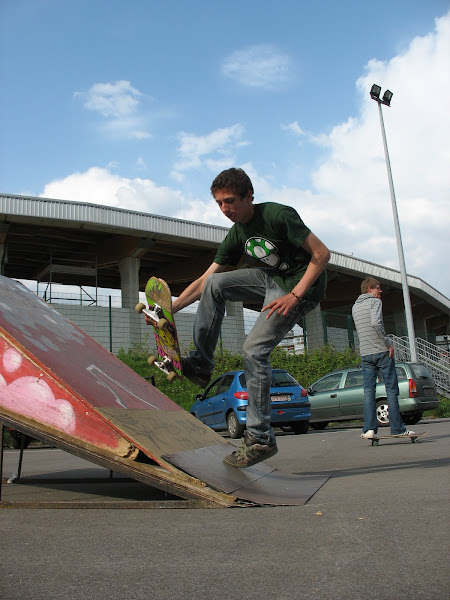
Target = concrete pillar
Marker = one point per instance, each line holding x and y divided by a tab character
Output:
129	284
3	248
129	281
314	329
2	263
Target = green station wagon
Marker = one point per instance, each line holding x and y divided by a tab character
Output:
339	396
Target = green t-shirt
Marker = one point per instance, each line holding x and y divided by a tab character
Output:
274	236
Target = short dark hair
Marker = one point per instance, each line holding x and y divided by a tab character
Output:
233	179
368	284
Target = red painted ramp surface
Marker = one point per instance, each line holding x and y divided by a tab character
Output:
57	382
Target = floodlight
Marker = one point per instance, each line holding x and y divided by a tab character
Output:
375	92
387	97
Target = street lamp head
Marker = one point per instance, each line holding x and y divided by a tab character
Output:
387	97
375	92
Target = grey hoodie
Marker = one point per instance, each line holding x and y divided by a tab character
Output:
368	319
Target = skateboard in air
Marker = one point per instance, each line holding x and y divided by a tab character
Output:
159	312
413	437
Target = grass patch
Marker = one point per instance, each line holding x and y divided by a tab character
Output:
442	412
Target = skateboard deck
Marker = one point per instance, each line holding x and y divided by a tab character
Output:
159	312
413	437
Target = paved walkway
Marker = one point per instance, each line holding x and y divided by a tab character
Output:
377	529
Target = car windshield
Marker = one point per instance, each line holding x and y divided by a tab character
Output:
279	379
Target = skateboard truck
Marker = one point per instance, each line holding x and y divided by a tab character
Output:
164	365
155	315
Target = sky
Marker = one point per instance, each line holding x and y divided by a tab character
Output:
140	104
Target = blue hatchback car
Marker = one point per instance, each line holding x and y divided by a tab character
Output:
223	404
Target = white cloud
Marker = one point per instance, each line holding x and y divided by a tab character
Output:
294	128
117	99
350	205
260	66
213	150
101	186
118	104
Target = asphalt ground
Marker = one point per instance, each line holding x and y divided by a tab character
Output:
377	529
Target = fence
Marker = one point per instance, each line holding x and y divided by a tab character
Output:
116	328
437	360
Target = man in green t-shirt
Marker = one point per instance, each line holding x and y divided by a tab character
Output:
290	282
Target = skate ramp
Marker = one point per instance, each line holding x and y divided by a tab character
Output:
59	385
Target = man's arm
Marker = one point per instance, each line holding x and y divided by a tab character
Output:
320	255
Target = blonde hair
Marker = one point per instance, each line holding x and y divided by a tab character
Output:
368	284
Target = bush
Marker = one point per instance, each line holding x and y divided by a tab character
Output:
306	368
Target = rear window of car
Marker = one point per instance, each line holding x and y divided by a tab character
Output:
420	371
283	379
279	379
354	379
401	373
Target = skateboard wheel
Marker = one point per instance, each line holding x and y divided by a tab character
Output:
162	323
374	442
151	359
171	376
139	307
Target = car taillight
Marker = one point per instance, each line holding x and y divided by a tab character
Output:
303	393
412	388
241	395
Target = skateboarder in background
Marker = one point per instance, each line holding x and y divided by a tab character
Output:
377	354
290	283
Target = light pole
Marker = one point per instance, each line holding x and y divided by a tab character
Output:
386	100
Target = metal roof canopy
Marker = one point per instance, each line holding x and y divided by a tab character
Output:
70	241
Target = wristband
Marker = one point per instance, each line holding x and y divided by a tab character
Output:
295	296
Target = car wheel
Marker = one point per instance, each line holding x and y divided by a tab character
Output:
382	413
319	425
235	429
300	428
412	419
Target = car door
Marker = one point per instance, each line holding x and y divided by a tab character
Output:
219	400
324	397
205	409
351	396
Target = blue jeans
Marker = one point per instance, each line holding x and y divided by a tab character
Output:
246	285
371	365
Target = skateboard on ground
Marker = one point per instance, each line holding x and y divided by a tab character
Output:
413	437
159	312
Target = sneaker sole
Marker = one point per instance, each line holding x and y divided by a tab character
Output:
231	461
